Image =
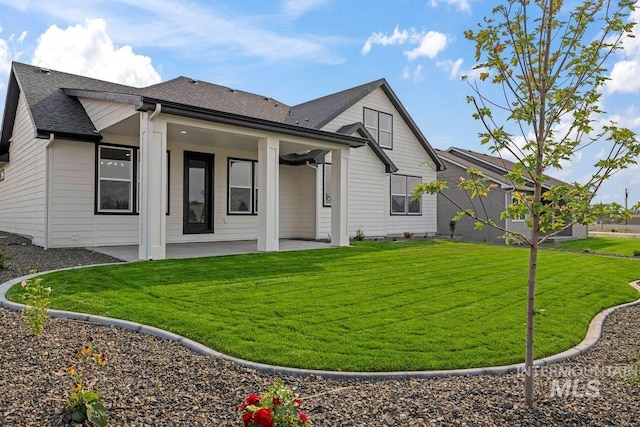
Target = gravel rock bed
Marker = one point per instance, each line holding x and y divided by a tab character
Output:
152	382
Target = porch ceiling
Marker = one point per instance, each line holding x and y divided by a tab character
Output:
179	133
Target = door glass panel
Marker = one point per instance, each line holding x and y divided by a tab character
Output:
197	192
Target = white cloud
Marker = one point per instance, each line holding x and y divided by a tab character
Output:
86	49
296	8
624	77
5	58
624	73
191	28
461	5
22	36
398	37
414	75
452	67
431	44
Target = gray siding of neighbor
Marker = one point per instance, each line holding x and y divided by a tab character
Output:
465	227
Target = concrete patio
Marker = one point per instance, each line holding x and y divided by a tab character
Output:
196	250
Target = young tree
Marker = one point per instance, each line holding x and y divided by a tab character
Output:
549	66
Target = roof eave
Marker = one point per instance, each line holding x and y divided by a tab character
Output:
122	98
389	166
46	133
412	125
9	116
250	122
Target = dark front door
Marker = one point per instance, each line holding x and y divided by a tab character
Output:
198	193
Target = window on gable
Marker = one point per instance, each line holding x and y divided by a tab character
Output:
380	126
243	187
517	199
402	187
115	179
326	185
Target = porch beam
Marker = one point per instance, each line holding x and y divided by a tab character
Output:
153	184
339	197
268	194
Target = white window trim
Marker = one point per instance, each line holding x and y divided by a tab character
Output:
130	180
406	195
326	192
519	219
253	203
375	130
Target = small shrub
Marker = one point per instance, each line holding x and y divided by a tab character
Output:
586	250
452	227
408	235
277	407
36	299
636	252
359	233
84	404
4	257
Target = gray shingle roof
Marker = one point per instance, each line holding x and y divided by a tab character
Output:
492	166
52	99
183	90
53	111
319	112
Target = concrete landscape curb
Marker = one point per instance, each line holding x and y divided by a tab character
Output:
593	335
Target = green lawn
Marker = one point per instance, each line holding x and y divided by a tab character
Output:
604	245
410	305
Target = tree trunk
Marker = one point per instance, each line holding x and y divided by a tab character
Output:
531	306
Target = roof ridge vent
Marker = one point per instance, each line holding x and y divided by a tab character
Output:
44	70
266	98
194	81
232	90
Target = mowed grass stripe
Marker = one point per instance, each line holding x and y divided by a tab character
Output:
410	305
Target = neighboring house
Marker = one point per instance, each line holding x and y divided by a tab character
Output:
457	162
85	162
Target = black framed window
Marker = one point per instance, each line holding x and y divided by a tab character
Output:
242	187
115	179
326	185
402	187
380	126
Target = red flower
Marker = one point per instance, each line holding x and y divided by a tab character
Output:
303	417
246	418
276	401
262	418
297	402
252	399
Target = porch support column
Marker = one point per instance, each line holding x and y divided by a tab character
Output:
153	187
268	194
339	197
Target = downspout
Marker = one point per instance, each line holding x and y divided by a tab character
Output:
152	116
46	190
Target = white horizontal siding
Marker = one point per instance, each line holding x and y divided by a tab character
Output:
72	201
297	202
104	113
22	193
369	186
225	227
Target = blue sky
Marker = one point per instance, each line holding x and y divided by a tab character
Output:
294	51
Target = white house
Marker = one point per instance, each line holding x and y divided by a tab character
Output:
89	163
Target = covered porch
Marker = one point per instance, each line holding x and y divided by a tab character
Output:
129	253
188	195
